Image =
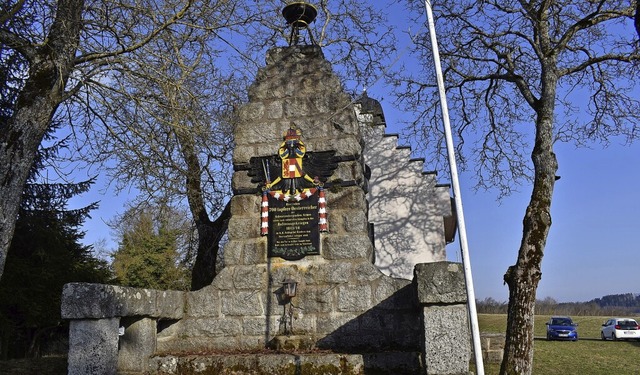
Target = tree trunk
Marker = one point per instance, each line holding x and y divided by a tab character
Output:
209	233
523	277
49	69
209	236
637	18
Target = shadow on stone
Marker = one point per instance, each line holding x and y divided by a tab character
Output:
388	336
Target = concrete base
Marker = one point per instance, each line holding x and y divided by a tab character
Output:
288	343
239	364
288	364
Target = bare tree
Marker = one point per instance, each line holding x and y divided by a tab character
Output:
45	42
158	113
520	76
174	101
166	128
177	87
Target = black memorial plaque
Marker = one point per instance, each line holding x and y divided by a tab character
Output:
293	228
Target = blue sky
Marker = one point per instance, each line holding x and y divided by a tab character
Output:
592	248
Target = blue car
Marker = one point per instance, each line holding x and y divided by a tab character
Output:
562	328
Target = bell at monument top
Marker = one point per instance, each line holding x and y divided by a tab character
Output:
299	15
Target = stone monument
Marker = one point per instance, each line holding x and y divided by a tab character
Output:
299	291
343	302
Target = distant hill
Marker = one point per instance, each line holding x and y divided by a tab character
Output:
613	304
619	300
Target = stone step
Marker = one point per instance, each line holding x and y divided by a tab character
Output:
288	364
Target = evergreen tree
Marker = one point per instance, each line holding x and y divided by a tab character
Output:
45	254
147	255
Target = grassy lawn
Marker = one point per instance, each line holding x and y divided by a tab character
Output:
587	356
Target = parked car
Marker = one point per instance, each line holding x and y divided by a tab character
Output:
562	328
620	329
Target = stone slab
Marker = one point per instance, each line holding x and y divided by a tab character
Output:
98	301
440	283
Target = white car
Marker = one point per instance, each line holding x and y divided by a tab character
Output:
620	329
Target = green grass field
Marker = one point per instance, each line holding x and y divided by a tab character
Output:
587	356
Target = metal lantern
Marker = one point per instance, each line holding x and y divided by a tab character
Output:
289	288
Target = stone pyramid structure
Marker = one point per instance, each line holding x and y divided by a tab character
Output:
347	317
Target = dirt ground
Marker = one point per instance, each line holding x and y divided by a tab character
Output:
34	366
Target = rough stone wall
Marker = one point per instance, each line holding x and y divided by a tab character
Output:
344	302
492	347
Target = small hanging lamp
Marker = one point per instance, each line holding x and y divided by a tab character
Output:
289	288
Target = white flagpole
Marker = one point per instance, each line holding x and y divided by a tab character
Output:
473	316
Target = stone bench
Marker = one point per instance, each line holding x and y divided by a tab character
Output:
99	313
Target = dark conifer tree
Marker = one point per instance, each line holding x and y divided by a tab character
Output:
45	254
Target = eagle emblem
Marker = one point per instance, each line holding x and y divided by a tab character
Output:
293	171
